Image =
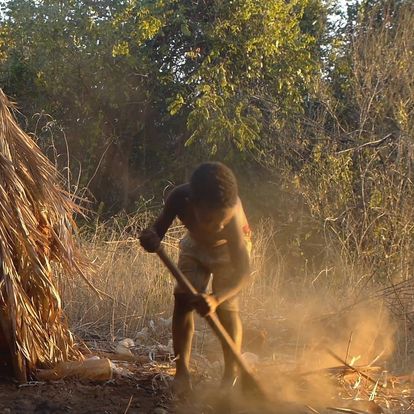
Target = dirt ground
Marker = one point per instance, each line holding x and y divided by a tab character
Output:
147	390
145	387
133	396
143	393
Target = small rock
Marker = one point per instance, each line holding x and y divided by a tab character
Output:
142	336
124	346
251	359
127	343
166	323
166	349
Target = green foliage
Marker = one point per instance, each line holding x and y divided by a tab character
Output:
68	59
254	46
216	57
327	182
358	179
131	82
141	90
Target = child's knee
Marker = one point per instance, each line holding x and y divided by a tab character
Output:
230	305
229	317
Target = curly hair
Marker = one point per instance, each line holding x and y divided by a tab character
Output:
214	185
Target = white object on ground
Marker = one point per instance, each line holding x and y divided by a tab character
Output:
251	359
124	346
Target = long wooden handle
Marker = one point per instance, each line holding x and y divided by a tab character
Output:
212	320
176	272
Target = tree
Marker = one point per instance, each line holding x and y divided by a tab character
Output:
132	82
221	62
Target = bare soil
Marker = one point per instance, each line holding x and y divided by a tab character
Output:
146	387
133	395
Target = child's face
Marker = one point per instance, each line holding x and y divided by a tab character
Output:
213	220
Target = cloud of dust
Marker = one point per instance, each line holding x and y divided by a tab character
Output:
360	335
292	370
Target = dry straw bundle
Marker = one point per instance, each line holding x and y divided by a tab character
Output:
36	228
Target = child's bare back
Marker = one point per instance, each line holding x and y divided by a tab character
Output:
208	226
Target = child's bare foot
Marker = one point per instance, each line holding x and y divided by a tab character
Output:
182	386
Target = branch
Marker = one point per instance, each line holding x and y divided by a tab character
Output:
367	144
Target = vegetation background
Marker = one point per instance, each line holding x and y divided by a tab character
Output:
309	101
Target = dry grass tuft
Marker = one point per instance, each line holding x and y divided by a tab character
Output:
36	229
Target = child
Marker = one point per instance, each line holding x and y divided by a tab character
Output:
217	243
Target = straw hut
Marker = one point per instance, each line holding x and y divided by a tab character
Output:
36	236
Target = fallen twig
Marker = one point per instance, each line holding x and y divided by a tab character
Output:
129	405
367	377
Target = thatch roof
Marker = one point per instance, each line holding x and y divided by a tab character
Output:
36	228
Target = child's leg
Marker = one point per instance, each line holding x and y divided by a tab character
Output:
228	311
231	321
182	330
183	316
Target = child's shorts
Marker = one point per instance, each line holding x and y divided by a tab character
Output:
199	263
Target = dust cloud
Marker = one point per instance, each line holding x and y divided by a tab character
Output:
305	347
316	340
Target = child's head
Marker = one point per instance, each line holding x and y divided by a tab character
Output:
214	194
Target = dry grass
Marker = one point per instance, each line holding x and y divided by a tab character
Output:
140	286
36	230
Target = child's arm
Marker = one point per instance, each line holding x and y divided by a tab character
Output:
151	237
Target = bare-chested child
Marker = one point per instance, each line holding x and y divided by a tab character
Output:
217	243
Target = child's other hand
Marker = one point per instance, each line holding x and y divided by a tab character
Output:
205	304
150	240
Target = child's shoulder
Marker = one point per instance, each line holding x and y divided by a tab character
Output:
178	197
180	192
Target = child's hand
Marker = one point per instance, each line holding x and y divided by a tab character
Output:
205	304
150	240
